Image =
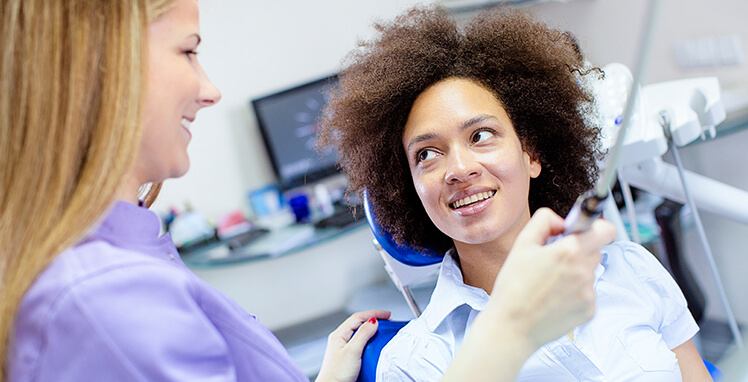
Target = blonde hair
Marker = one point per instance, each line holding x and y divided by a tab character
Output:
74	77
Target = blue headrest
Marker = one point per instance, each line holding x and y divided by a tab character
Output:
404	254
716	374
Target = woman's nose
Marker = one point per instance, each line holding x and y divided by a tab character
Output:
209	93
461	166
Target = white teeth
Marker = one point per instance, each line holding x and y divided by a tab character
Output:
186	123
472	199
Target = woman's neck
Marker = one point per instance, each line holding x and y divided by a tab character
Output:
128	190
481	263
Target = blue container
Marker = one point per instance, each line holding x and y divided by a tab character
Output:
300	207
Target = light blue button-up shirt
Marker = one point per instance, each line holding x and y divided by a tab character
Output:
640	316
121	306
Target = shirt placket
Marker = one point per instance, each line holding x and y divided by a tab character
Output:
576	362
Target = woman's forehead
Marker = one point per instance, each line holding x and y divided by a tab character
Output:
455	103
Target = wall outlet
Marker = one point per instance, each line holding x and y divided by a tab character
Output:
710	52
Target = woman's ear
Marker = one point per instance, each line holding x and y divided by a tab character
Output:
535	166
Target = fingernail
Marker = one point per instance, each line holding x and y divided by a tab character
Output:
373	320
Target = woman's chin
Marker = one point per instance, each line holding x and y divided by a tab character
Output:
181	169
474	238
181	173
173	174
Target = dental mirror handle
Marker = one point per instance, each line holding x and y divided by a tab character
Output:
587	209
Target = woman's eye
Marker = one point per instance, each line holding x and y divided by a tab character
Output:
425	155
481	135
190	53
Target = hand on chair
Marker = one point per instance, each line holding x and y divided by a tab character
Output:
345	345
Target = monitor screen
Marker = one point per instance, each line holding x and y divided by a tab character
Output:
288	123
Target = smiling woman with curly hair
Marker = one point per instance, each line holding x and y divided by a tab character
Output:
459	135
531	69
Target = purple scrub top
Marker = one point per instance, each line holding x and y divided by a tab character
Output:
122	306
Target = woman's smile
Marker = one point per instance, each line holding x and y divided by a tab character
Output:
186	123
473	203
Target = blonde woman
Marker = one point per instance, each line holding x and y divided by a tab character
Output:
97	101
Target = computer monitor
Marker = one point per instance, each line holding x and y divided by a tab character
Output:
288	123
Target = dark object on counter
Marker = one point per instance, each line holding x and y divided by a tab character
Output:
245	238
668	218
343	216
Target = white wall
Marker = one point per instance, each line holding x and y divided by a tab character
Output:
609	31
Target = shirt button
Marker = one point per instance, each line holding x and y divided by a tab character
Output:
171	256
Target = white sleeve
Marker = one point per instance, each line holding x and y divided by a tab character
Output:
677	324
410	358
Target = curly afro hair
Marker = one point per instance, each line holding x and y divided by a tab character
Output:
533	70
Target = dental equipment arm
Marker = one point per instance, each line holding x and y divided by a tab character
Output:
663	176
658	120
658	177
672	114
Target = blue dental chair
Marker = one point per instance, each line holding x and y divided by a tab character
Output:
407	266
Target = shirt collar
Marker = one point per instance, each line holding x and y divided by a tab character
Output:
601	266
133	227
451	292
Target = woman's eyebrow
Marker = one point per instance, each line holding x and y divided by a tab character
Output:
470	122
476	120
420	138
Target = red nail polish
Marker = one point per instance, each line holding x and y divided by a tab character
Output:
373	320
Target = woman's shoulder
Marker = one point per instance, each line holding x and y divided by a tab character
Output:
97	276
624	246
628	263
82	301
88	263
645	279
633	257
